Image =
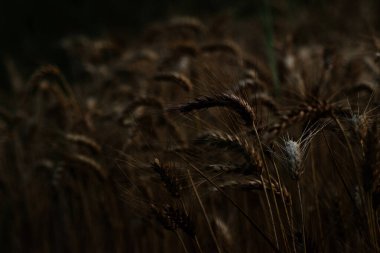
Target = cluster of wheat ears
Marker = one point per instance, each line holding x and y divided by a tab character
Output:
190	140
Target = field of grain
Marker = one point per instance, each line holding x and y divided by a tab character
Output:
211	134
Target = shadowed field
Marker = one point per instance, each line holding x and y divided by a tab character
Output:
254	129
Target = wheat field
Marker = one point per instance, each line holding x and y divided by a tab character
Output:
199	135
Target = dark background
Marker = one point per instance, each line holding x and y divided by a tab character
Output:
30	26
31	29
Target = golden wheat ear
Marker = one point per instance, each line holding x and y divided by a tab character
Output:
168	176
229	101
235	144
175	78
173	218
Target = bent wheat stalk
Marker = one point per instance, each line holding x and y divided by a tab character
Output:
229	101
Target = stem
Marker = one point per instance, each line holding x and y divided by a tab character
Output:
265	191
285	206
204	212
270	207
254	225
338	172
181	240
302	216
198	244
316	193
347	142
